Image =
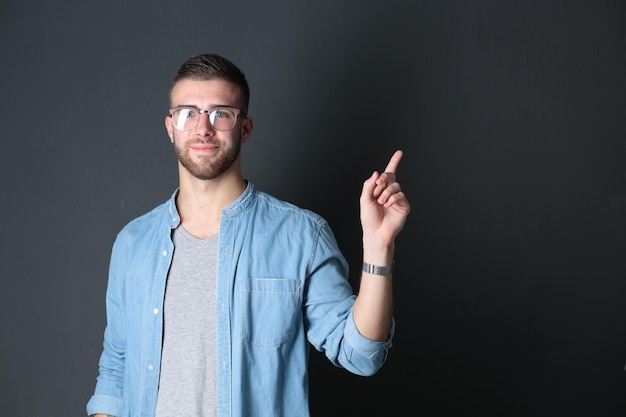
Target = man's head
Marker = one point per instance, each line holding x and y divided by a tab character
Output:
207	121
206	67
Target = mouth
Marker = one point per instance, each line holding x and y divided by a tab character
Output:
203	147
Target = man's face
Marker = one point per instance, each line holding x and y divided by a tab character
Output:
207	153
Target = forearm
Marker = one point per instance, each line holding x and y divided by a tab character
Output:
373	308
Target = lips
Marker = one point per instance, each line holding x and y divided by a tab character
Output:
203	147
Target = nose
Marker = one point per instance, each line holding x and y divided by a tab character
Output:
204	126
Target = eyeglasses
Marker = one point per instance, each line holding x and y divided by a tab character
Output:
187	118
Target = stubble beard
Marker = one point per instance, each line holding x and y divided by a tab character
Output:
208	168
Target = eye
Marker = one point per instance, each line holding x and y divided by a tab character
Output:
189	113
221	114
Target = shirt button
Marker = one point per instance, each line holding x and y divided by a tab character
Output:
150	367
164	253
155	311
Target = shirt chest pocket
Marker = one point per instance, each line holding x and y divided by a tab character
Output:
271	309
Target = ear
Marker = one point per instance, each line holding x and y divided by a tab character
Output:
246	129
169	127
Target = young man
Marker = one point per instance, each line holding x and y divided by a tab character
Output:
214	296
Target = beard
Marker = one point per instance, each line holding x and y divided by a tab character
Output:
208	168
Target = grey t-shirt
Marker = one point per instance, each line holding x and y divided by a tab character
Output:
187	384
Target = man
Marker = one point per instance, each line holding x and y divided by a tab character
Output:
214	296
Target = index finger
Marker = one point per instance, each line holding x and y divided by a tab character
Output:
392	166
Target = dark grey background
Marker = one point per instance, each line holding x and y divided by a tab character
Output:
510	276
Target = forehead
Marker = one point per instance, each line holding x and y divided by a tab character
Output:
205	92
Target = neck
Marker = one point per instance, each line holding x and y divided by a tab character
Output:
200	202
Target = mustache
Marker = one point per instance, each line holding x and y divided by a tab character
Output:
203	142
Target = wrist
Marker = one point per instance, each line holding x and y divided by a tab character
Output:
377	250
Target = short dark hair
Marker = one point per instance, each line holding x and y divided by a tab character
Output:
211	67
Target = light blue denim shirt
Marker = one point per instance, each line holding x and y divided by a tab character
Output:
282	283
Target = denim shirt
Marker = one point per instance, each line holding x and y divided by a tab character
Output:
282	284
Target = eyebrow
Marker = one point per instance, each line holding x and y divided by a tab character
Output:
213	106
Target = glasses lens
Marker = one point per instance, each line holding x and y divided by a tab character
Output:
222	118
185	118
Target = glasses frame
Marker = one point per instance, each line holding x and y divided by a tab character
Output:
207	111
